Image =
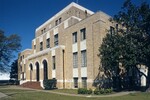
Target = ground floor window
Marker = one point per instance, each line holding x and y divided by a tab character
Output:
75	82
84	82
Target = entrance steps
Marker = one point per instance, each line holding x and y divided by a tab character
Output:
33	85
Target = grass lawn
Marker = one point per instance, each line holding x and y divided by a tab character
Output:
18	94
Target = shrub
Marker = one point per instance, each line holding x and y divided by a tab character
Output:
102	91
96	91
49	84
89	91
84	91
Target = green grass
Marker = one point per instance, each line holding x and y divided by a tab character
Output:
18	94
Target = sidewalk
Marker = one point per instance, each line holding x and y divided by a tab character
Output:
2	95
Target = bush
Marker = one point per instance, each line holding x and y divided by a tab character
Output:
102	91
96	91
89	91
84	91
49	84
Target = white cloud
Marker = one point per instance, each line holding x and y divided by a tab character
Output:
4	76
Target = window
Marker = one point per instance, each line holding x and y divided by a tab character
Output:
112	30
59	20
75	82
34	46
54	63
56	40
41	46
44	30
83	58
24	67
74	37
75	60
48	42
56	22
21	58
20	68
83	34
84	82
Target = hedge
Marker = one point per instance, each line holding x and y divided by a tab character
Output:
84	91
49	84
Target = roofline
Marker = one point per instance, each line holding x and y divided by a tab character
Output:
26	50
63	10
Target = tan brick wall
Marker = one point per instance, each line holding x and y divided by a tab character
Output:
96	28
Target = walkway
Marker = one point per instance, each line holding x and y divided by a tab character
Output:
2	95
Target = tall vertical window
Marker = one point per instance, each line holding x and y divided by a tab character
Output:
48	42
59	20
112	30
56	39
75	82
21	69
84	82
83	34
83	58
34	46
54	63
75	60
74	37
41	46
44	30
56	22
24	67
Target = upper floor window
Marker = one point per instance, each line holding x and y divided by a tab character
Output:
112	30
21	58
48	42
56	40
59	20
20	68
83	34
56	22
74	37
54	63
41	46
43	30
34	46
75	60
83	58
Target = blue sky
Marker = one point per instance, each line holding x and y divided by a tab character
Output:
24	16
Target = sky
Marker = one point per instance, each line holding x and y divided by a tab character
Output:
22	17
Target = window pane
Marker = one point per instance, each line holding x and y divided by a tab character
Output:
34	46
41	46
54	65
84	82
83	34
75	60
83	58
56	40
75	82
48	43
74	37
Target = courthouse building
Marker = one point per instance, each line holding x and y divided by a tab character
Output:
65	47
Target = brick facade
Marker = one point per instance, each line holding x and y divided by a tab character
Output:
71	19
